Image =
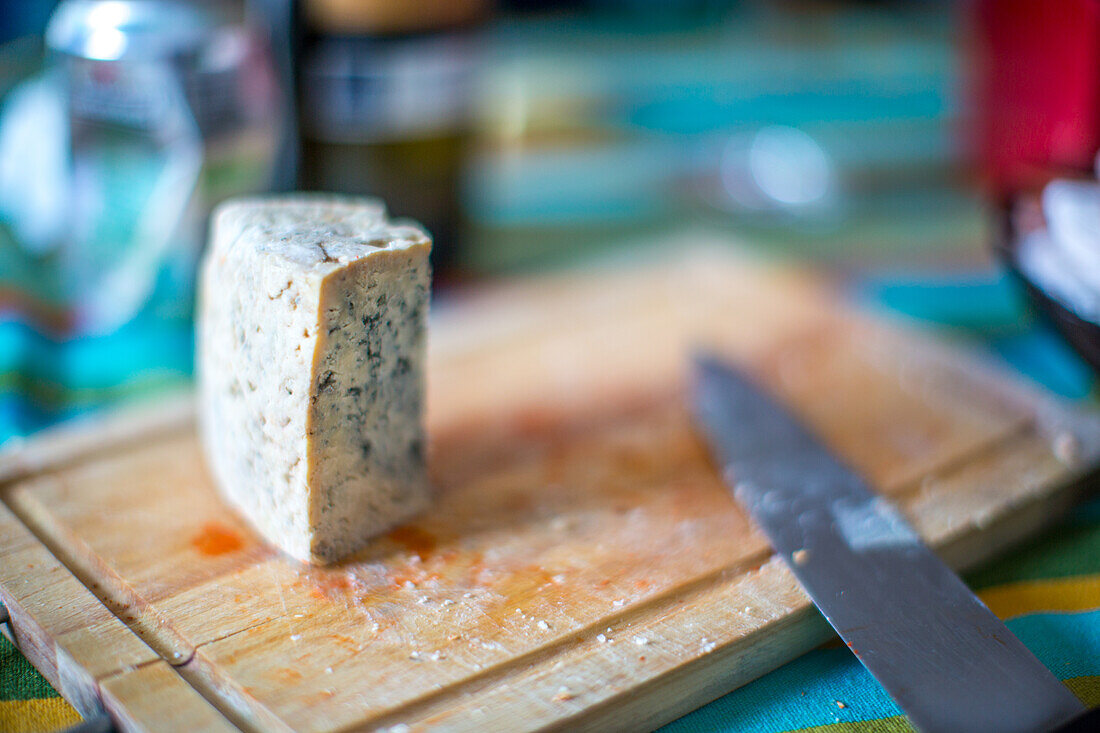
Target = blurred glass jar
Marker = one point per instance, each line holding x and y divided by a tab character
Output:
148	113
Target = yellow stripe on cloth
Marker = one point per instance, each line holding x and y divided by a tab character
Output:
33	716
1039	596
895	724
1086	688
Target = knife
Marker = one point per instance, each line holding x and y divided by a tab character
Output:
948	662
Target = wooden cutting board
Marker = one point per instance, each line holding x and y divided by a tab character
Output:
583	566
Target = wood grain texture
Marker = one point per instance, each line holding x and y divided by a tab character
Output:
582	566
156	697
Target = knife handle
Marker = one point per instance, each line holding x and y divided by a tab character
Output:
1088	722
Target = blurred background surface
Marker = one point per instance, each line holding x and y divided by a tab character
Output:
881	139
907	148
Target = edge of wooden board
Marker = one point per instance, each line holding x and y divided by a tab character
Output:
1024	508
64	444
685	686
73	667
82	648
1053	416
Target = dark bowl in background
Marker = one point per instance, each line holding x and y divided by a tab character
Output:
1081	334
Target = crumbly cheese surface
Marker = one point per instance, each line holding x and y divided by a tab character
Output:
311	341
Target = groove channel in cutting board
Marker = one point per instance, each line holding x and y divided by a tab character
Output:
582	551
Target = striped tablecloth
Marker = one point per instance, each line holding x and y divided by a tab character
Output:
1048	591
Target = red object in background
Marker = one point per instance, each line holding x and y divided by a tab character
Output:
1037	87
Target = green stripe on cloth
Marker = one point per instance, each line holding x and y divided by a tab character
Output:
18	679
1070	549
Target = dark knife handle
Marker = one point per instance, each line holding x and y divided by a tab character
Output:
1086	723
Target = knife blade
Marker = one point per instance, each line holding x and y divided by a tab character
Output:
948	662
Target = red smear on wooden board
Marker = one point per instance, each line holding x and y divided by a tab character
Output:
414	540
216	539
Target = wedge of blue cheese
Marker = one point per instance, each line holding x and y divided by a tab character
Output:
311	347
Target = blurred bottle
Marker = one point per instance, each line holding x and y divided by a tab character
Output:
1036	90
384	93
149	113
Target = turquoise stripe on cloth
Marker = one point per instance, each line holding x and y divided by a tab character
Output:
801	694
45	380
805	693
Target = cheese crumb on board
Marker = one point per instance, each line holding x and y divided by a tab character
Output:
563	695
311	340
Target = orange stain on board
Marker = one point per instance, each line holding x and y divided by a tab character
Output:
326	585
346	642
216	539
287	675
414	540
